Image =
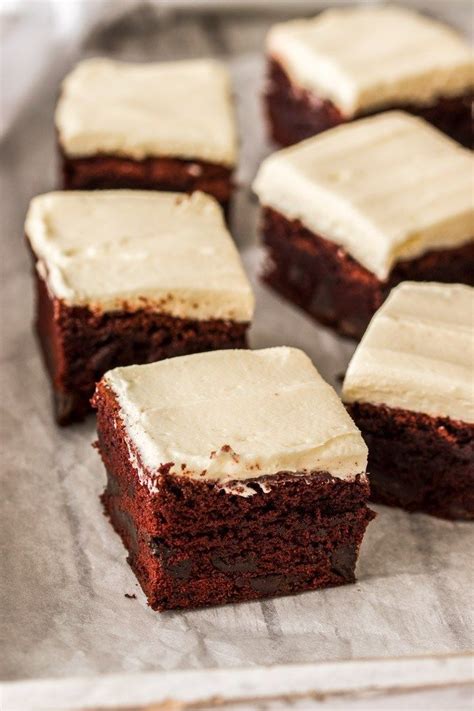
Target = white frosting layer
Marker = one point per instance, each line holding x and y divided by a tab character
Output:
236	415
385	188
367	57
176	109
418	352
114	249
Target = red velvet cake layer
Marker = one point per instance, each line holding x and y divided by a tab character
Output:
192	543
295	114
321	278
169	174
79	345
418	462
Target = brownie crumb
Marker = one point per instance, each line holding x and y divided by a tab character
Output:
130	596
96	342
153	173
418	462
294	115
228	450
337	291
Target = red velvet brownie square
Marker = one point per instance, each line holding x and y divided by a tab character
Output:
349	214
349	62
131	277
162	126
410	389
232	475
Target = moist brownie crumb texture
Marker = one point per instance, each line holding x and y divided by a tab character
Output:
130	277
353	62
173	174
351	213
162	126
409	389
217	492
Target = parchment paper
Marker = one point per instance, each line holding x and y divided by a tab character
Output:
64	576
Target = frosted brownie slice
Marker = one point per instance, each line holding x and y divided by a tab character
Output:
350	213
232	475
349	62
131	277
161	126
410	389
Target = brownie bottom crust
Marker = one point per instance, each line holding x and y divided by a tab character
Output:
418	462
192	543
294	113
321	278
168	174
80	345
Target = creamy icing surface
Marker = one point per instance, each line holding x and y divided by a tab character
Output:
418	352
234	415
365	58
386	188
130	249
172	109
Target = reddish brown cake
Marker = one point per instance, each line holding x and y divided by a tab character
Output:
418	462
213	499
409	390
333	68
173	174
130	277
351	213
293	113
167	126
330	285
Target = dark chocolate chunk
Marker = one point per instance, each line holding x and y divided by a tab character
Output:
343	561
240	564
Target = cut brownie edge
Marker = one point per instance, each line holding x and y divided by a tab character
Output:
271	563
169	583
110	339
418	462
159	514
294	113
155	173
191	543
320	277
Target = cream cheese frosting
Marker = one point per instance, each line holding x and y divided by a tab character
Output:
418	352
386	188
235	415
368	57
171	109
132	249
